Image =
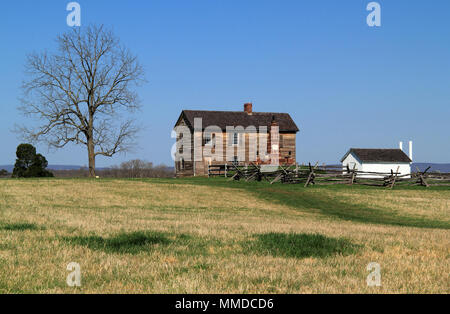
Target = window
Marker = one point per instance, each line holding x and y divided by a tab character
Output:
235	160
182	164
235	138
281	141
207	139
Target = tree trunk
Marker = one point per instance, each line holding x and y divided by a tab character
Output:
91	153
90	142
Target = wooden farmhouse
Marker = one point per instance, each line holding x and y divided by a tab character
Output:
373	161
235	146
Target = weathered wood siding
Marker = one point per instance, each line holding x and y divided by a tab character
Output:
188	169
288	149
287	152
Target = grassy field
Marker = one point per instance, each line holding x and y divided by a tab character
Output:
215	236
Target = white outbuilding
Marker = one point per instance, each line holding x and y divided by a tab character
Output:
379	161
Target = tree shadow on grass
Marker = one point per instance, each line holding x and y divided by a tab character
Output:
19	227
130	243
333	206
303	199
300	245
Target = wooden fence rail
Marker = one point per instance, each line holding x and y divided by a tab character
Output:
328	175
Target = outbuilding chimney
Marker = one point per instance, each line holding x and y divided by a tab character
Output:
411	150
248	107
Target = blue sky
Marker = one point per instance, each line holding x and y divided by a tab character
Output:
344	83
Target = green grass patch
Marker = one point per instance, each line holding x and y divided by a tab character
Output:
300	245
19	227
130	243
145	241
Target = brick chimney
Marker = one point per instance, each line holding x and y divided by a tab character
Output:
274	142
274	121
248	107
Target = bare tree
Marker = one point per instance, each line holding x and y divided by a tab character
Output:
83	94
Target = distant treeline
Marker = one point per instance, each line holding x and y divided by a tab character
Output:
130	169
4	173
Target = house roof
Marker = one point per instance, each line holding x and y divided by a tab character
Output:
223	119
378	155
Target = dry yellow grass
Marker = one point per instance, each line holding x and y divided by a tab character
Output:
413	260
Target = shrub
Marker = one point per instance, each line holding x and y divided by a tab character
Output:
29	164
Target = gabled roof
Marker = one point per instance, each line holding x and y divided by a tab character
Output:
223	119
378	155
